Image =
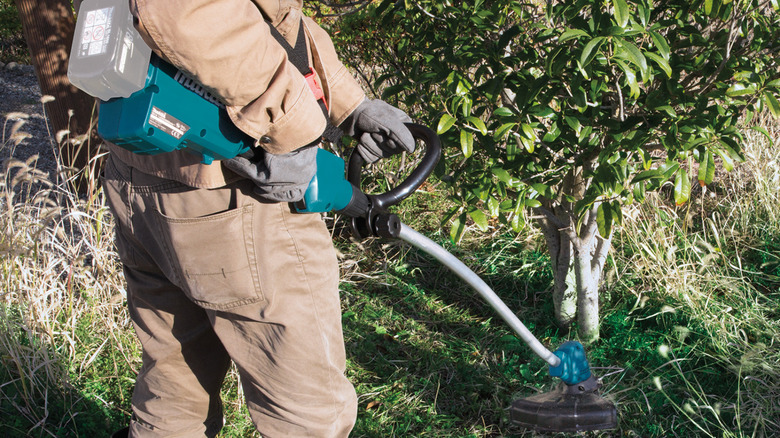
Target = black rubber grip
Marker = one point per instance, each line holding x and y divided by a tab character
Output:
414	180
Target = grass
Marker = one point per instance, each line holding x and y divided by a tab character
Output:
689	334
689	347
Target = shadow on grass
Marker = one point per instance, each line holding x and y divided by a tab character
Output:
430	358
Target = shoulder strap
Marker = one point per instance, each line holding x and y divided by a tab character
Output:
299	57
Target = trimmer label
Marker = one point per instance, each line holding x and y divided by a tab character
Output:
167	123
96	33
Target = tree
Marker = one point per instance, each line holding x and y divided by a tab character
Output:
566	113
48	28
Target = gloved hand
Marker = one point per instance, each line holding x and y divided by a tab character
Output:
278	177
379	129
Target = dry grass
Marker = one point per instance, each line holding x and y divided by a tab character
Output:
714	264
61	292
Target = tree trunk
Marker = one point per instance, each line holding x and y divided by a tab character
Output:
578	255
48	28
564	285
590	256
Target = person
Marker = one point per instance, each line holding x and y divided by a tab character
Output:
219	268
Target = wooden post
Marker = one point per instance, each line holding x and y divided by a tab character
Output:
48	28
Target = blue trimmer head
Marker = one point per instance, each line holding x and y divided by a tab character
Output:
574	405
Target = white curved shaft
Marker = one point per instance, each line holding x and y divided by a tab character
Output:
425	244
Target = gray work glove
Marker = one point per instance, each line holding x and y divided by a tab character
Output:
379	129
278	177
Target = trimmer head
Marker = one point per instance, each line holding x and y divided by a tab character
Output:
567	408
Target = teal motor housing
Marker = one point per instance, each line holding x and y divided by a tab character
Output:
144	122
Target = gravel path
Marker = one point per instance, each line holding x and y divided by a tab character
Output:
19	93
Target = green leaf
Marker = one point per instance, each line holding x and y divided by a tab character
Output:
479	124
667	109
507	36
708	7
634	55
503	111
466	142
393	90
458	227
604	219
663	63
706	169
528	144
501	132
621	12
479	218
512	149
462	88
573	123
445	123
543	189
647	174
569	34
466	106
614	30
763	131
660	43
529	132
728	162
737	90
493	206
518	219
771	101
541	111
733	148
682	187
711	7
633	85
533	203
590	51
502	175
669	169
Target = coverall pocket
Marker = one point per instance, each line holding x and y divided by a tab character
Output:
215	257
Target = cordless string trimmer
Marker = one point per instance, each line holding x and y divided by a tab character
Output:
172	112
575	404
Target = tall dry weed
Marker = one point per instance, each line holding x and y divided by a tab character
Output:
714	264
61	290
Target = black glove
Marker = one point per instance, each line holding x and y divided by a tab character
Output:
379	129
278	177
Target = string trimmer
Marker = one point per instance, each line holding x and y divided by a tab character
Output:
575	404
170	113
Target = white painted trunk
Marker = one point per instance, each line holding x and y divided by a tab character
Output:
564	283
587	295
578	261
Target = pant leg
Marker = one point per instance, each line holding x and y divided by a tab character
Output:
292	366
183	361
267	279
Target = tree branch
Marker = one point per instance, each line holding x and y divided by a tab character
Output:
550	216
600	254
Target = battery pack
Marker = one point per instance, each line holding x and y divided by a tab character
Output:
108	58
171	112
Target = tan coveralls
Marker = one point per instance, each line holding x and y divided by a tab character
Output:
213	273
